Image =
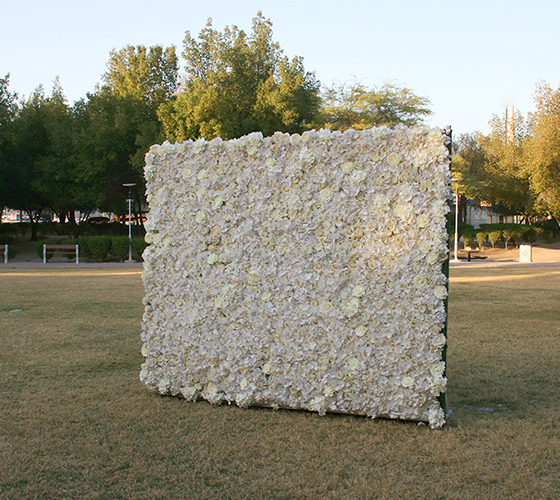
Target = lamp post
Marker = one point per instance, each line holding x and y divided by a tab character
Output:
129	200
456	242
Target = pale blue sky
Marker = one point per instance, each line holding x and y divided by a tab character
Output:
471	58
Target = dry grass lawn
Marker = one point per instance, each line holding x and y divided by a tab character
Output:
75	421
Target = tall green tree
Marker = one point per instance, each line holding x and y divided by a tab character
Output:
149	74
8	111
30	144
236	84
542	158
504	173
352	105
108	127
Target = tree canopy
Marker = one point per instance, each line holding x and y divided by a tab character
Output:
150	74
352	105
236	84
542	150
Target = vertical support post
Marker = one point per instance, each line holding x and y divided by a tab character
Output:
443	399
77	253
130	229
129	185
6	253
44	253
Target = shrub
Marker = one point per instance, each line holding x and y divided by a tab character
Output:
70	241
508	235
529	234
481	238
12	251
468	236
39	249
84	246
99	246
547	235
494	237
120	246
139	245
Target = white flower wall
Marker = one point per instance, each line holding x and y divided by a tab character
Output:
300	271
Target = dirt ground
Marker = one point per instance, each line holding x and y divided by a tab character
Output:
541	252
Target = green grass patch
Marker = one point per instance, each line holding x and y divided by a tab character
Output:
76	422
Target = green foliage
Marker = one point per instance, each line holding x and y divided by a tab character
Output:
120	246
237	84
99	247
481	238
139	245
494	237
147	74
84	246
529	234
354	106
12	249
542	158
468	236
39	249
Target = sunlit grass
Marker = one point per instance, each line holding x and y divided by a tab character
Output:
75	421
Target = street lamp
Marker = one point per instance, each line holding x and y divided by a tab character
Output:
456	242
129	200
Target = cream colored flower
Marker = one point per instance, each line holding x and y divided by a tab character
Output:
439	341
407	382
266	296
326	306
358	291
353	363
440	292
393	159
326	194
360	331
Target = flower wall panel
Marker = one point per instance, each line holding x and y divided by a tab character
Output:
300	271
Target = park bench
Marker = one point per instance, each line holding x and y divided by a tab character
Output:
62	249
4	248
470	251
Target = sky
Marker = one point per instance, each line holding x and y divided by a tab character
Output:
470	58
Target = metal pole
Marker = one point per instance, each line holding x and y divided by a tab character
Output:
456	242
129	185
130	230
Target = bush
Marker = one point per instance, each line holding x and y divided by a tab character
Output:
84	246
494	237
69	241
99	246
120	247
39	249
508	235
139	245
481	238
468	236
529	234
12	250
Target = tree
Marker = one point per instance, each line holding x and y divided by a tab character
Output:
542	160
355	106
508	186
236	84
141	80
8	111
23	170
108	128
150	74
